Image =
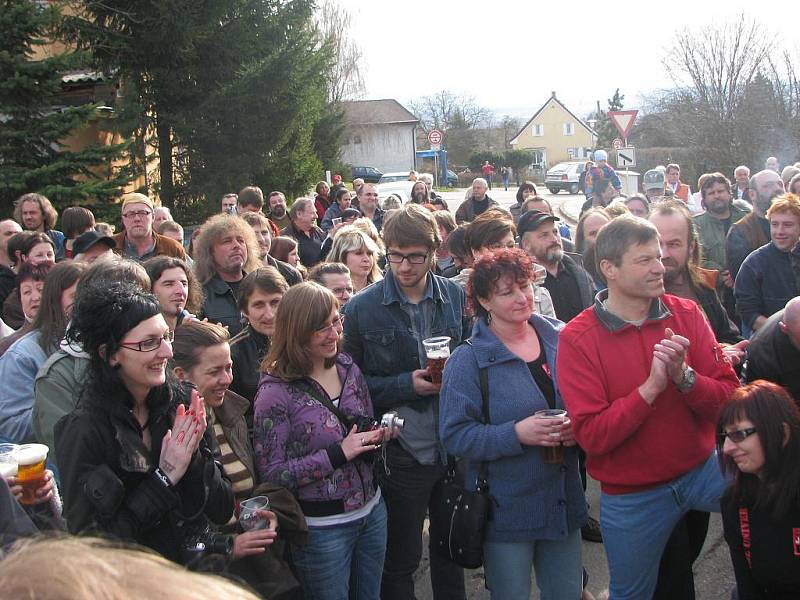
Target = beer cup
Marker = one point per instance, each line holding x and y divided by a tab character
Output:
249	519
437	351
8	460
552	455
30	470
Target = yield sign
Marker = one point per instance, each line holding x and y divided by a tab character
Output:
623	120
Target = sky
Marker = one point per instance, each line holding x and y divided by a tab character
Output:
511	54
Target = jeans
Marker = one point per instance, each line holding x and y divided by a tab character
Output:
675	576
407	491
556	563
355	548
636	526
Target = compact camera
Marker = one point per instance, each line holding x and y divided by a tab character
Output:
390	419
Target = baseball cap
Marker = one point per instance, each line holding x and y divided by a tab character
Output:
600	155
653	180
531	220
91	238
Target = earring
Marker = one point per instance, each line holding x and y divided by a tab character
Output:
489	317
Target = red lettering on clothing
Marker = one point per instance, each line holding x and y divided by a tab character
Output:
744	527
796	540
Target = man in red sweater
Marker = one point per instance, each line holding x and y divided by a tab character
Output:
643	380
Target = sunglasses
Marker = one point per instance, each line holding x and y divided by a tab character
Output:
737	436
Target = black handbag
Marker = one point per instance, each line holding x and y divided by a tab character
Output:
459	516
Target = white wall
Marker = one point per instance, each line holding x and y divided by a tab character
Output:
385	147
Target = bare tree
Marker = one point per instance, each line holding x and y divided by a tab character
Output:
345	79
445	109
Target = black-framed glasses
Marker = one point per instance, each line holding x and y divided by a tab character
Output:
415	259
150	344
737	436
142	214
336	325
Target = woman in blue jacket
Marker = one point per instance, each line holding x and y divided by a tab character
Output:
540	506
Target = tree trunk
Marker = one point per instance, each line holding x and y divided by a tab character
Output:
164	133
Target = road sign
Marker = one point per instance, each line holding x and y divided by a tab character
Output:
617	143
436	147
623	120
626	157
435	137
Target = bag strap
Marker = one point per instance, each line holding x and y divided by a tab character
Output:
323	399
483	469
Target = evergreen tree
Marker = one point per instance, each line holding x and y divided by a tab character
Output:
35	122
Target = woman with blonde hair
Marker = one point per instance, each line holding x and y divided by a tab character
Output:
360	253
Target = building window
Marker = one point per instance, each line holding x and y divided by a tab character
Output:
569	128
538	130
571	152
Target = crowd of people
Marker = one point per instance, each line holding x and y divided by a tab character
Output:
253	397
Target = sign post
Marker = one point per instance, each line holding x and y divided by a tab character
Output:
623	120
435	138
626	157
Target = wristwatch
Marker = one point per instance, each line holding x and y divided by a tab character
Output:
687	382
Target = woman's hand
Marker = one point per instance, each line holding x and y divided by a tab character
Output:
44	493
567	435
182	441
257	540
535	431
358	443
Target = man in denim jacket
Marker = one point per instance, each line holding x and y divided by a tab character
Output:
384	328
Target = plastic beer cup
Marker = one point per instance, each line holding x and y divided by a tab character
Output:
552	455
437	351
30	470
249	519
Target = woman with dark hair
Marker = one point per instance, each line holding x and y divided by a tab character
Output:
284	249
310	437
525	191
260	295
75	220
37	248
759	447
322	199
134	460
19	365
531	459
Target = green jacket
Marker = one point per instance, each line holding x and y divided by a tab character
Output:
58	388
712	238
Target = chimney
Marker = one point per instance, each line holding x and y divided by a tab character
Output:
553	94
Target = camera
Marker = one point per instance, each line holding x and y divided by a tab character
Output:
392	420
204	544
388	420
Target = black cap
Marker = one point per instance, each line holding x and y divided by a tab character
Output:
86	240
531	220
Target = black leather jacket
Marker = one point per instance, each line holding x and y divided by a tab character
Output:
247	351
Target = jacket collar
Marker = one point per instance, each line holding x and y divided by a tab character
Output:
392	293
232	409
658	312
219	287
489	350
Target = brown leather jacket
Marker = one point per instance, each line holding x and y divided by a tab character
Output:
164	246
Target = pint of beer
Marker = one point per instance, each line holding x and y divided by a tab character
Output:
437	351
30	470
552	455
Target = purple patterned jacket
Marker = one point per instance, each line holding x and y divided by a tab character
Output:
297	442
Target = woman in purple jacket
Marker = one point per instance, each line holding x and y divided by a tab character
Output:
310	437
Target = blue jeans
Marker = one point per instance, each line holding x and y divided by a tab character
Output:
356	548
556	563
636	526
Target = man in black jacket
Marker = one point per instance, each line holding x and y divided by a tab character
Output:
774	351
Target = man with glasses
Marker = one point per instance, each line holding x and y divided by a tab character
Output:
138	241
383	332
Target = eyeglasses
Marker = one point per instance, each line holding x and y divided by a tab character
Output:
337	325
150	344
136	213
415	259
737	436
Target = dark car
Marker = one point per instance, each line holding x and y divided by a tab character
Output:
452	179
368	174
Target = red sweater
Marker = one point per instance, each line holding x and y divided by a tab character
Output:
631	445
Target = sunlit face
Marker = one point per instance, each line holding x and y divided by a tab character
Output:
769	186
479	190
637	208
543	244
230	252
160	215
674	244
784	228
212	374
368	197
718	199
172	290
41	253
528	193
591	227
340	284
507	241
419	191
742	176
228	204
30	296
264	237
174	234
8	228
138	220
640	273
408	275
141	371
277	205
511	302
345	200
32	217
360	262
324	343
673	176
305	218
261	310
749	453
293	258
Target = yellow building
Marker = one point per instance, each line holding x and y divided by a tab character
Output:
555	134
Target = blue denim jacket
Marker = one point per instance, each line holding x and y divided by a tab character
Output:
377	334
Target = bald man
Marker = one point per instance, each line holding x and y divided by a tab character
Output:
774	351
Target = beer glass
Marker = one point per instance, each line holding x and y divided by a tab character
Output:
249	519
8	460
30	470
552	455
437	351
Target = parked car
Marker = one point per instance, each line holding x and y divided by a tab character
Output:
564	176
452	178
368	174
395	183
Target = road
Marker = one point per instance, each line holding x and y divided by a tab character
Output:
713	572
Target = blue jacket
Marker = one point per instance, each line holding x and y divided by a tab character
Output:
534	500
765	283
18	368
